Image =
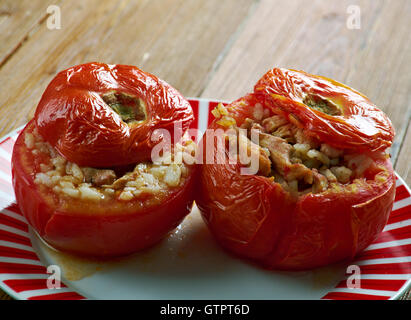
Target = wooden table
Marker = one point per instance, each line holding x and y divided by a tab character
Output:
212	48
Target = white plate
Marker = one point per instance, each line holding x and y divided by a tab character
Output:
189	264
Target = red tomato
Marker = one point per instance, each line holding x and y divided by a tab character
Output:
356	123
94	228
77	116
255	218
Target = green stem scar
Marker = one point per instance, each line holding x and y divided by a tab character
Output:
323	105
128	107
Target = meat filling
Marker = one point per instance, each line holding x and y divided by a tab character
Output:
138	181
99	177
129	108
299	162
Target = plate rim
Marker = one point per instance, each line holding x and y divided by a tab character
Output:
407	285
17	296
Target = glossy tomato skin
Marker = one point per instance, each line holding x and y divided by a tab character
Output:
73	117
86	230
257	219
335	225
360	126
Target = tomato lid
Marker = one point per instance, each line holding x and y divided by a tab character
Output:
102	115
327	109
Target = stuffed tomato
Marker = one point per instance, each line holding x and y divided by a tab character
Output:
102	115
323	185
82	169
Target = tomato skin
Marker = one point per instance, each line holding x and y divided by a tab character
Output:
361	125
90	232
257	219
326	228
75	120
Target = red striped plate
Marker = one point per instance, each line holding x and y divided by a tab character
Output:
189	265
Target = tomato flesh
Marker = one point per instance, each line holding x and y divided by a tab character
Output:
90	228
82	114
254	217
358	124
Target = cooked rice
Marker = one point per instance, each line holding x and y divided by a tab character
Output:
68	179
330	167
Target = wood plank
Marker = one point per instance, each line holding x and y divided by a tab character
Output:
177	40
374	59
403	164
4	296
17	20
213	48
174	39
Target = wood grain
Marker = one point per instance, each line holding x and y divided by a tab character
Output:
212	48
4	296
18	19
315	38
176	40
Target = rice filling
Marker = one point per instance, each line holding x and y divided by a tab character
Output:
70	180
297	161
